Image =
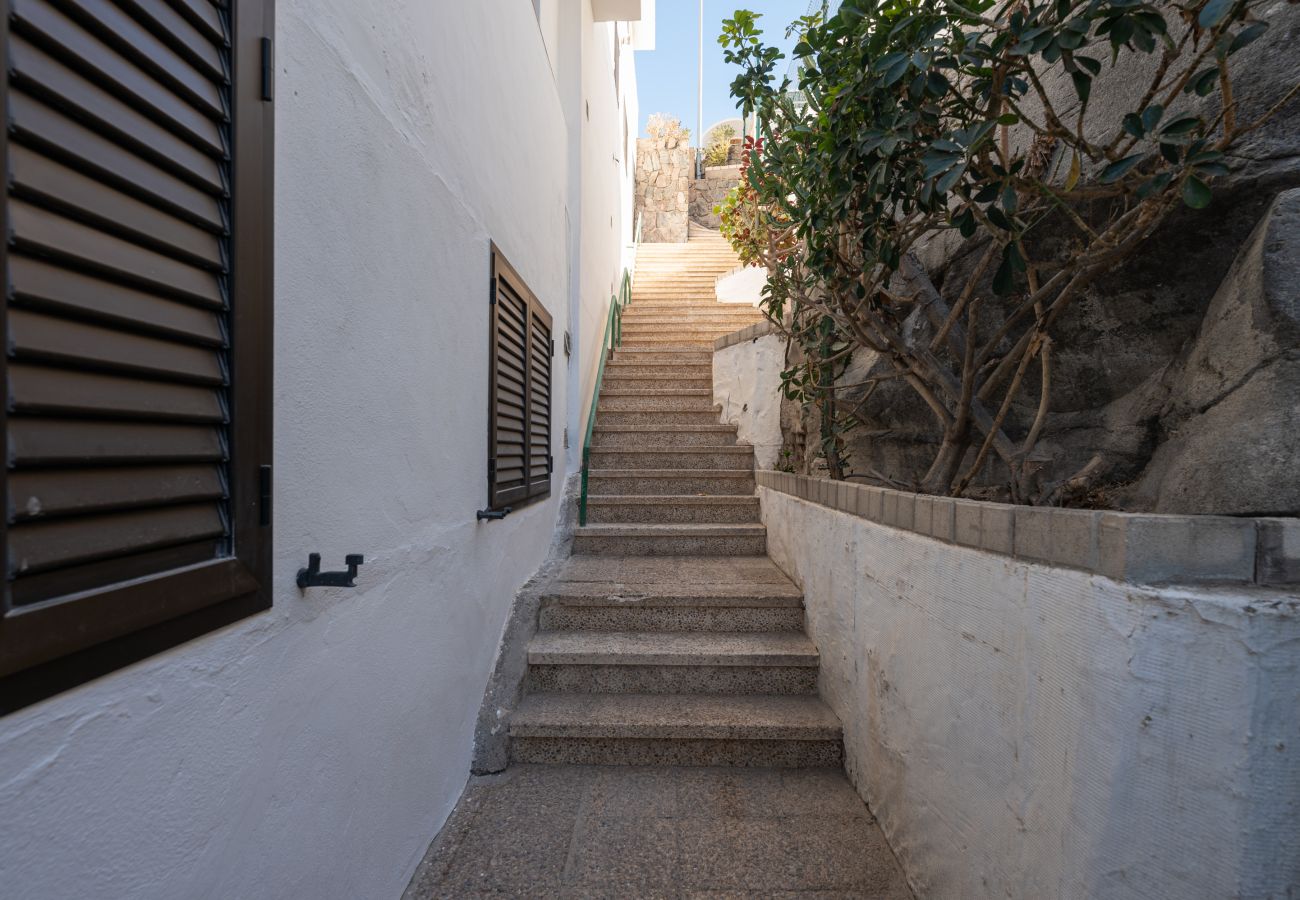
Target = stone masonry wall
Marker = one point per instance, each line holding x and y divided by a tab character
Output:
663	175
709	191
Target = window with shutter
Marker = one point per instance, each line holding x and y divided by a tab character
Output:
137	311
519	393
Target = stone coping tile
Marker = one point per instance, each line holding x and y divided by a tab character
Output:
1140	548
748	333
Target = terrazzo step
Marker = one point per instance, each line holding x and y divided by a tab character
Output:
671	540
660	482
623	382
619	370
682	729
653	356
708	320
675	341
649	662
647	436
651	418
738	456
666	400
704	614
693	509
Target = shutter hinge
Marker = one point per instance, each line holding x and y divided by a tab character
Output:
552	347
550	464
492	466
264	495
268	70
492	293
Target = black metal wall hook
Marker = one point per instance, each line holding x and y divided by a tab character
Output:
312	576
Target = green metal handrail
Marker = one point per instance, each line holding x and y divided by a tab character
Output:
613	338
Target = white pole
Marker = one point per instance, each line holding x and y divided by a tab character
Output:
699	109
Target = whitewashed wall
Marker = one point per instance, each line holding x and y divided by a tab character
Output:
1027	731
315	749
747	387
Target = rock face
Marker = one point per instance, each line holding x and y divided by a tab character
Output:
1231	423
1180	371
664	171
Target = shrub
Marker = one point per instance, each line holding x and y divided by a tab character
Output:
923	121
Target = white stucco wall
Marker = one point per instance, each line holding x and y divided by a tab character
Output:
1025	731
608	166
747	385
315	749
744	285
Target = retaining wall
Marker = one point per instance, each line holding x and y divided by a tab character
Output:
1025	725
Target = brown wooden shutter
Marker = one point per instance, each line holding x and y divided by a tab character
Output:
137	312
519	392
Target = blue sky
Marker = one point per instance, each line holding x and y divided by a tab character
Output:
666	76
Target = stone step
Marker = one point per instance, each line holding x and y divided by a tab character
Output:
675	341
682	329
642	370
645	617
697	308
654	356
709	319
684	729
661	482
622	382
648	436
665	581
738	456
677	400
630	509
671	540
652	418
683	593
682	662
682	648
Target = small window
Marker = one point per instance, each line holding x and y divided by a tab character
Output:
519	393
137	310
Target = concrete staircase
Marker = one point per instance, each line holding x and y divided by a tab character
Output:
670	637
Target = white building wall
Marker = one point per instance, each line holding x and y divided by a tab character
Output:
314	750
609	166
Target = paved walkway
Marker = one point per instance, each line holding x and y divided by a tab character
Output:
627	832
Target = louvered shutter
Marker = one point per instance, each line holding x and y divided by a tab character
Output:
137	314
519	392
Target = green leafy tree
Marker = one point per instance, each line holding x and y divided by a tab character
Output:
922	121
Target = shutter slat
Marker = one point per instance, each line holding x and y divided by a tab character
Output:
47	233
47	287
81	50
41	546
36	124
60	87
47	391
43	442
146	51
203	16
33	336
34	588
73	193
169	25
45	494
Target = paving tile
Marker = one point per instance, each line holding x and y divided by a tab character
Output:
631	792
662	831
710	793
750	854
625	857
515	852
